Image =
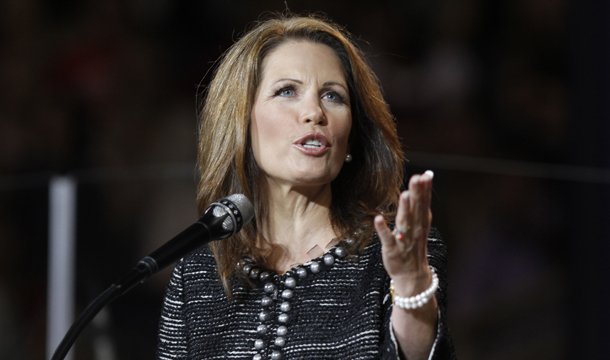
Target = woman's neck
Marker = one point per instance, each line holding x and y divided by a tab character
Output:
299	221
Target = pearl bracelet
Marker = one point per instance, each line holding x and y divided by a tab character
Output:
417	301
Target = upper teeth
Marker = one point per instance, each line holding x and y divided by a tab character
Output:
312	143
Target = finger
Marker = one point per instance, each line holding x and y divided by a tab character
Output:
427	197
425	212
384	233
424	193
414	191
403	211
404	219
415	200
420	197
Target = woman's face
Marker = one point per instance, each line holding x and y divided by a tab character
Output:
301	117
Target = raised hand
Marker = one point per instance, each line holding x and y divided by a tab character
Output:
405	259
405	249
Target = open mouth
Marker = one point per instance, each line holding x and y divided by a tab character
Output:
312	143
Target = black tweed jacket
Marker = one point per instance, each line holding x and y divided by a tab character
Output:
333	307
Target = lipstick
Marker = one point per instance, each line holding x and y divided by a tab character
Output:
314	144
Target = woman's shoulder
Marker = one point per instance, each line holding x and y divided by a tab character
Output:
200	262
437	250
435	235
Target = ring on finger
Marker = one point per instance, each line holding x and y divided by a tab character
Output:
399	233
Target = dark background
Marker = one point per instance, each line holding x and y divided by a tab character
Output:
507	101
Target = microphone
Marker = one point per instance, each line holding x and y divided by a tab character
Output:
221	220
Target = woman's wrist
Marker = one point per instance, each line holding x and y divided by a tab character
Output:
415	290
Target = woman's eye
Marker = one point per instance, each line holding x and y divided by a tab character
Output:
334	97
287	91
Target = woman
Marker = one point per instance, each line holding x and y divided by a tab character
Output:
295	120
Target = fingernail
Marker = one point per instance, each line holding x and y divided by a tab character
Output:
405	195
429	173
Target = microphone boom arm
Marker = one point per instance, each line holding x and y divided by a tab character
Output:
221	220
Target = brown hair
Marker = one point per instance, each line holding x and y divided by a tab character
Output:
369	185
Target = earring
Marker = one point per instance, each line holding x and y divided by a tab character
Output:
348	158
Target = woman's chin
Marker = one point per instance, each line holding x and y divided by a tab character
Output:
304	180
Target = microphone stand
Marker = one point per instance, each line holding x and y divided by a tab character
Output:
208	228
77	327
188	240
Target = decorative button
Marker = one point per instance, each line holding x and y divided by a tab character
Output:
290	283
283	318
272	293
264	276
287	294
280	342
266	301
269	287
264	315
282	330
285	307
340	252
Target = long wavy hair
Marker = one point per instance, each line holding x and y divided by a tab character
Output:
369	185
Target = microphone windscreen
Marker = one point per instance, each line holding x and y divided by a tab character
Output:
244	206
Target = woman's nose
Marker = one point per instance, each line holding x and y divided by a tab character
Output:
312	111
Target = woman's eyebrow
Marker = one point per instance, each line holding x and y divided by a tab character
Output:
329	83
287	79
326	84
